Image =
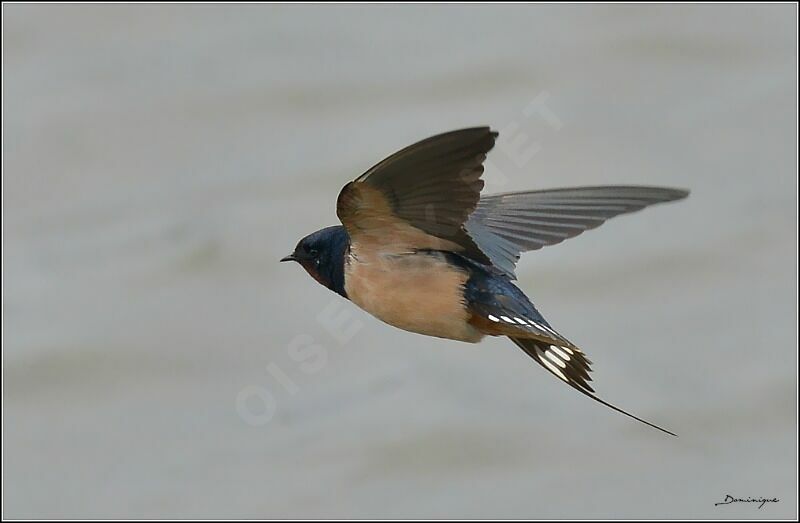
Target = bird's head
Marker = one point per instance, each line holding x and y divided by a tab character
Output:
322	256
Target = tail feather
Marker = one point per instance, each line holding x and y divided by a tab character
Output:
572	367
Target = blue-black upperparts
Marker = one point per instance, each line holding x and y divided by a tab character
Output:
321	254
488	290
491	294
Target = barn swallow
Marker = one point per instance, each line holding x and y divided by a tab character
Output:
420	249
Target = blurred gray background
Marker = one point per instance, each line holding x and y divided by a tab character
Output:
159	361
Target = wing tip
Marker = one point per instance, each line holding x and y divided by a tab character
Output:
673	194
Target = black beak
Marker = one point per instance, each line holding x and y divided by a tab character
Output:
289	258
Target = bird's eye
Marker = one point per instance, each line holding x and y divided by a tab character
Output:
313	253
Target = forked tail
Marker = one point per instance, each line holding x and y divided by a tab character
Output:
571	366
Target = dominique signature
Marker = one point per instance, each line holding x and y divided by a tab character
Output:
730	499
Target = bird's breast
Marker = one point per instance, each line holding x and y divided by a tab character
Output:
418	292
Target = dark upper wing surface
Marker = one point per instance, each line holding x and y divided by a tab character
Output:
421	196
427	196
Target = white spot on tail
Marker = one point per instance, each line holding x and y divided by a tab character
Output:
548	329
507	319
554	369
493	318
555	359
521	322
541	327
568	350
558	351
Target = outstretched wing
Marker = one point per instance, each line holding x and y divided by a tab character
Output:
427	196
420	197
506	225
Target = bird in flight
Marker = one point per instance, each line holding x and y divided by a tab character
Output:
420	249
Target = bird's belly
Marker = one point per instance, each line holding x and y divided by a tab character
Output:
420	293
